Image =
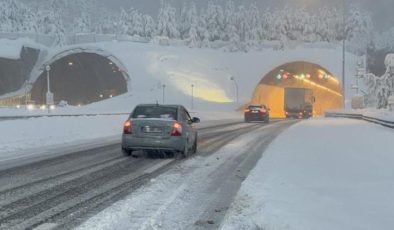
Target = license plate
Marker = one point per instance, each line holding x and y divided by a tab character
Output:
149	129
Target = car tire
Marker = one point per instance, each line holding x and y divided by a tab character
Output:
151	154
194	149
126	152
185	152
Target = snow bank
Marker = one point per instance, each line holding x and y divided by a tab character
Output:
320	174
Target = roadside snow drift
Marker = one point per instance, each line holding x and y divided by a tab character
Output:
320	174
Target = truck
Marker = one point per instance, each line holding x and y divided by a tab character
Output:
298	103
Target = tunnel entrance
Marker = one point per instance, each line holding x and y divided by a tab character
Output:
80	79
327	91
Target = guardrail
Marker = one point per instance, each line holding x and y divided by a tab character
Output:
389	124
17	117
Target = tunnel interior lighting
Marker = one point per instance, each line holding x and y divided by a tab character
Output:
278	77
70	63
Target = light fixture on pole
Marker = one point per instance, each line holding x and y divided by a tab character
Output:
236	87
49	95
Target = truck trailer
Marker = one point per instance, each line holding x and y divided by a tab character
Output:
298	103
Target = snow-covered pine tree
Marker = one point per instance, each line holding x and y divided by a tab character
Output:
134	23
214	17
229	20
149	26
193	39
83	24
381	88
51	24
255	33
183	24
121	26
359	29
267	25
167	22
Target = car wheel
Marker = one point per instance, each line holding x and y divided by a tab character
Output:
194	150
185	152
151	154
170	154
126	152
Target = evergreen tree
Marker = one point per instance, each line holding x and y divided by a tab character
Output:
214	21
149	26
167	22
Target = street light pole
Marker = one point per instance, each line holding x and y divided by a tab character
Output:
236	88
344	52
192	85
164	87
49	95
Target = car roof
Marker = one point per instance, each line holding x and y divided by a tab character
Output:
160	105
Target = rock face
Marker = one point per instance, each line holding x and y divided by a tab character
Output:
13	73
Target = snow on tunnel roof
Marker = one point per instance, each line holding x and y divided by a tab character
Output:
11	48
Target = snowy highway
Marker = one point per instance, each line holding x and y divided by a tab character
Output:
64	191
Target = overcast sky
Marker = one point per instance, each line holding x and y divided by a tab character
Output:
382	10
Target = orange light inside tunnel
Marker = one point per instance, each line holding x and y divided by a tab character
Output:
326	89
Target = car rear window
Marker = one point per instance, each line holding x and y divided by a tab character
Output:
155	112
256	107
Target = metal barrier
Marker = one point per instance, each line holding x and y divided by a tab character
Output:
389	124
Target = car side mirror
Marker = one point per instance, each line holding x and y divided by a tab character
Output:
196	120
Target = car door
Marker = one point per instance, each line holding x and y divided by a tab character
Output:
188	125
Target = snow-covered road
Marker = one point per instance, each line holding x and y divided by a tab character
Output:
64	190
320	174
195	194
26	140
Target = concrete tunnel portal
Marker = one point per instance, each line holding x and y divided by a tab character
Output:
81	78
327	90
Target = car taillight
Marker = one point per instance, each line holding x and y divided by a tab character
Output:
127	127
263	110
176	129
301	113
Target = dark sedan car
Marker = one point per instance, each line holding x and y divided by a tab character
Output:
160	130
257	113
